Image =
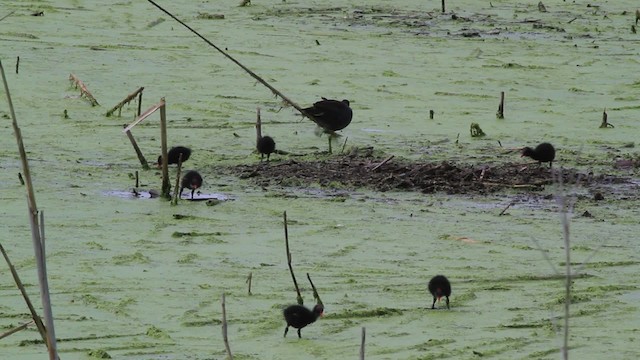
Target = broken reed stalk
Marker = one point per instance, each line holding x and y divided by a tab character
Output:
137	180
344	144
175	188
139	103
225	338
247	70
36	235
364	333
383	162
315	292
34	315
166	185
505	209
11	13
16	329
443	7
249	282
500	113
83	89
431	114
143	161
17	64
605	121
124	102
258	126
286	241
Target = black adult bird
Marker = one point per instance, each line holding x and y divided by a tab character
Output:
544	152
174	154
439	286
330	115
266	145
299	316
192	180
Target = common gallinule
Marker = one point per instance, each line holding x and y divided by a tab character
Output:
266	145
299	316
439	286
544	152
330	115
192	180
174	154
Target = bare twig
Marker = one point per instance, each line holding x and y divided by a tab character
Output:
124	102
500	113
27	300
505	209
315	292
175	188
247	70
6	16
16	329
136	148
83	89
364	333
383	162
248	281
225	338
36	235
286	240
344	144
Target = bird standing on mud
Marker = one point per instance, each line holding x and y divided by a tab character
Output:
265	145
439	286
330	116
299	316
192	180
544	152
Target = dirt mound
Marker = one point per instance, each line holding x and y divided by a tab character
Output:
357	171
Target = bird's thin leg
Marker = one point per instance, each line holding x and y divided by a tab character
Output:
433	306
181	192
447	302
299	335
330	144
286	330
192	193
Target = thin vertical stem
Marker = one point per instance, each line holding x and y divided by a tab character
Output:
225	337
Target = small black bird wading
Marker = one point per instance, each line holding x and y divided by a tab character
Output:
266	146
439	286
192	180
174	154
544	152
299	316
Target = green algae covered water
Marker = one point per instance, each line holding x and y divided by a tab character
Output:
140	279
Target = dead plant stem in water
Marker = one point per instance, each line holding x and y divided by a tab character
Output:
225	337
286	241
37	230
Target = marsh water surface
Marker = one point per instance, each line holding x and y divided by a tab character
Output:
138	278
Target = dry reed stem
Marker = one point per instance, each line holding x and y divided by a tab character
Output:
315	292
362	339
37	232
175	188
225	337
83	89
383	162
247	70
286	240
16	329
126	100
248	281
34	315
